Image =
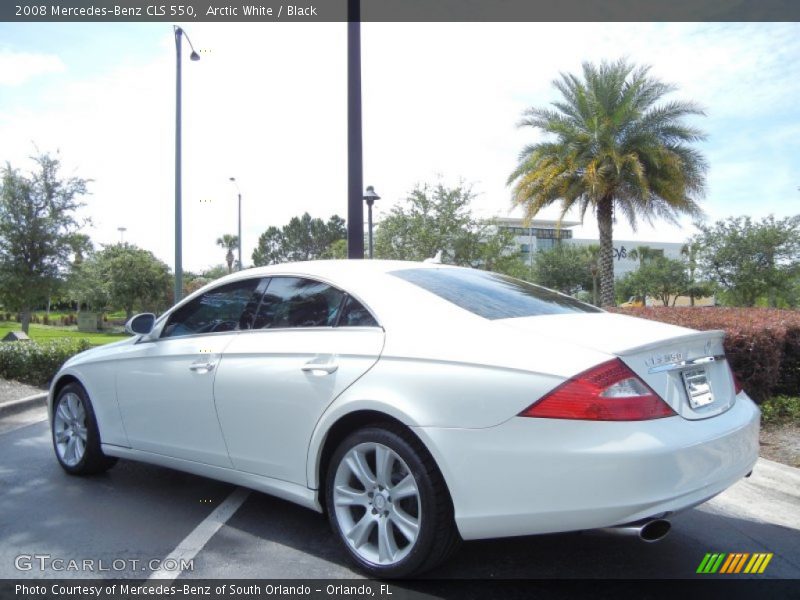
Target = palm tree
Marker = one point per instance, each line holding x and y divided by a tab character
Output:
614	149
229	242
593	262
644	254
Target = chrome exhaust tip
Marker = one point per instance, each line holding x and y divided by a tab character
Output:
647	530
655	530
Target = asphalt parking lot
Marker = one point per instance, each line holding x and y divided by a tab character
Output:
138	513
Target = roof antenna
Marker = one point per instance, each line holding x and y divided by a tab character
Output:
436	260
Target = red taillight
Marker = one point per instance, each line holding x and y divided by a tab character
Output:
607	392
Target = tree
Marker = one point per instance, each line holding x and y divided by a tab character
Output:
644	254
88	283
214	272
662	278
438	220
38	231
136	278
564	268
303	238
338	249
697	288
751	260
613	149
122	276
229	242
593	264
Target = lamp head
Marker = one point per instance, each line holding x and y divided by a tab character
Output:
194	56
371	196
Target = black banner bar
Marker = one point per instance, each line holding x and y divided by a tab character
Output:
401	10
709	588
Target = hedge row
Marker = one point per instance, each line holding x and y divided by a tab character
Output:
762	344
37	362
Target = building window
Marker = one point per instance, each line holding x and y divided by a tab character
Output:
540	233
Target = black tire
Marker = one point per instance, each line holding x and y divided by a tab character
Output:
437	536
92	461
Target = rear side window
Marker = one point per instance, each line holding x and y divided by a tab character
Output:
355	315
298	302
491	295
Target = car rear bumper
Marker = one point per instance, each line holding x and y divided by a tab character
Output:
529	476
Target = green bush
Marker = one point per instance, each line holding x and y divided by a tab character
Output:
37	363
781	409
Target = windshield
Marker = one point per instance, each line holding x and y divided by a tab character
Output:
491	295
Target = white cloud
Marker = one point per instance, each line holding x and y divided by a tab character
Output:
17	68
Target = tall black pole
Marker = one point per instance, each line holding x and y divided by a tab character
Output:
355	176
240	231
178	225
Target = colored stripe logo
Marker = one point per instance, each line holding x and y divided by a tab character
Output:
734	562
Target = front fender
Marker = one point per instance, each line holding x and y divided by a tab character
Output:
99	381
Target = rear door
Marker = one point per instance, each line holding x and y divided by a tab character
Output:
309	342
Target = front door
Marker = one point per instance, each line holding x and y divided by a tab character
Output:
165	386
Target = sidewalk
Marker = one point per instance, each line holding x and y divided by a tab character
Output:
16	397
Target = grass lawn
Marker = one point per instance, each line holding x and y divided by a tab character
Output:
43	333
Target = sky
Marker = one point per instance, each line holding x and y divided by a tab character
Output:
267	103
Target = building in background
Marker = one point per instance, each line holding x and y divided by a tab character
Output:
537	235
544	234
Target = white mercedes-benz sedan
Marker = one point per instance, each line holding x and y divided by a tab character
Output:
417	404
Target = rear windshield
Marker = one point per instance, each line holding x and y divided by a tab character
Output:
491	295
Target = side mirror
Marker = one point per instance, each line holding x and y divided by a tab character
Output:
140	324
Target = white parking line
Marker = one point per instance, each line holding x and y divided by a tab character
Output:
199	537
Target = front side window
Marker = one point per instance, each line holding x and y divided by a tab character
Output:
298	302
491	295
226	308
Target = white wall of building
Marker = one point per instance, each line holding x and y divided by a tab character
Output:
622	262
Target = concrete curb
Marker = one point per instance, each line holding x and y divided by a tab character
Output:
16	406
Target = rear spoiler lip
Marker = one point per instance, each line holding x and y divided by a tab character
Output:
714	334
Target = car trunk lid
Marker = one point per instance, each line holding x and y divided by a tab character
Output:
687	368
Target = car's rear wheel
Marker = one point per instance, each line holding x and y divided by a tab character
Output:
388	503
76	439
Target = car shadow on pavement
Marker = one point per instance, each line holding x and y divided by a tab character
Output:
590	555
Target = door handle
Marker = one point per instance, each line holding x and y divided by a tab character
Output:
204	366
326	367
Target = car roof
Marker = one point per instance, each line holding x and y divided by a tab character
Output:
368	280
335	268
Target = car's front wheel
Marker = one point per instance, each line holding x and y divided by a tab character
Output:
76	439
388	503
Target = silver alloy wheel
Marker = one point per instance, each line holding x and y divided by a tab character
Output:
69	429
377	503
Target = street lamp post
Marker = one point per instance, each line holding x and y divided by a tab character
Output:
179	33
370	198
233	179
